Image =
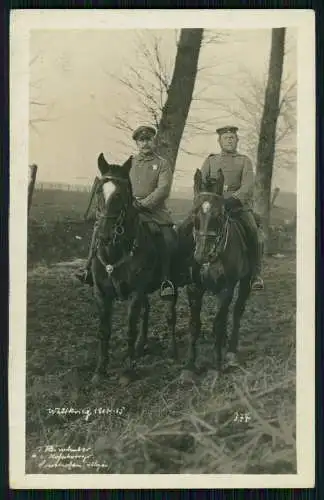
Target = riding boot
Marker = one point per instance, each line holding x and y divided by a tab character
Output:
167	286
257	281
85	275
257	252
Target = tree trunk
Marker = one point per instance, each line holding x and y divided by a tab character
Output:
267	139
176	108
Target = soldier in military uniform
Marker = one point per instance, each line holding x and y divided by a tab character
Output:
151	179
238	190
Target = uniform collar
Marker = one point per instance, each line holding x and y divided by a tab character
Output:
224	153
146	156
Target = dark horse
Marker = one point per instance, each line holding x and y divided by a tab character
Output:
220	262
126	265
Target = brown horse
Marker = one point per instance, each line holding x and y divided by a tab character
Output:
127	266
220	262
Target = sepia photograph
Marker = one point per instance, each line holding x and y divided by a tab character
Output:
162	248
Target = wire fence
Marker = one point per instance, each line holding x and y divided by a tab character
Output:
43	186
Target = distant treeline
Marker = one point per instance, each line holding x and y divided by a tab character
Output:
282	198
42	186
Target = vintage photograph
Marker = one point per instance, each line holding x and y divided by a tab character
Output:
161	273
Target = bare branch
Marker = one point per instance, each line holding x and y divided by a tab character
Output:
37	103
210	37
33	60
191	153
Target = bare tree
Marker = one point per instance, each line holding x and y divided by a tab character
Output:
146	86
268	126
246	110
180	91
40	111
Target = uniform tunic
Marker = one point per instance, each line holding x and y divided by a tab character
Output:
151	178
238	175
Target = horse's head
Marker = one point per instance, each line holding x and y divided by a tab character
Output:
117	197
208	216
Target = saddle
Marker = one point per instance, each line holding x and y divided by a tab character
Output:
154	227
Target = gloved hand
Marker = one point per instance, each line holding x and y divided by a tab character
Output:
137	204
232	203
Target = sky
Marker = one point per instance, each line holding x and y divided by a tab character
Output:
75	96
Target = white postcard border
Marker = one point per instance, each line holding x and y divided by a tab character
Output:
22	22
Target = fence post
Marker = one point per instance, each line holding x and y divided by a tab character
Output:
92	195
31	183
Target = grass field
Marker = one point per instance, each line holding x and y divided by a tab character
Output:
243	424
54	205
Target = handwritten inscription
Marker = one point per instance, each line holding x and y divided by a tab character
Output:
56	457
241	417
87	413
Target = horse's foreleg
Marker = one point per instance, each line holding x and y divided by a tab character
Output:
142	341
105	315
135	308
220	328
195	295
239	307
171	317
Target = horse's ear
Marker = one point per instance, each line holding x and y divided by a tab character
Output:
127	165
197	181
102	164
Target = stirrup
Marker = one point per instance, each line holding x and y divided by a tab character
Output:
167	289
257	283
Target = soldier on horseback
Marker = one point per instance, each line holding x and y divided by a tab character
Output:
151	179
238	191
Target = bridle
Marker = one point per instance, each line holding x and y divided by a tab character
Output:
221	237
118	231
118	227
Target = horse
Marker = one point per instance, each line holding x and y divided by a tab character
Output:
220	262
126	266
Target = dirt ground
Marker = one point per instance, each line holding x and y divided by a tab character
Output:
245	423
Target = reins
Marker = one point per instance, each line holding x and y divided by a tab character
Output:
221	239
118	231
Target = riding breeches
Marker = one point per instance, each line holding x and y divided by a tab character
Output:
247	219
168	244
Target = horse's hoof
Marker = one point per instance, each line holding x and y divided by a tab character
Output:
231	360
187	377
141	350
173	354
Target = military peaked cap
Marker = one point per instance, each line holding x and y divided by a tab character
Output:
144	131
228	128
